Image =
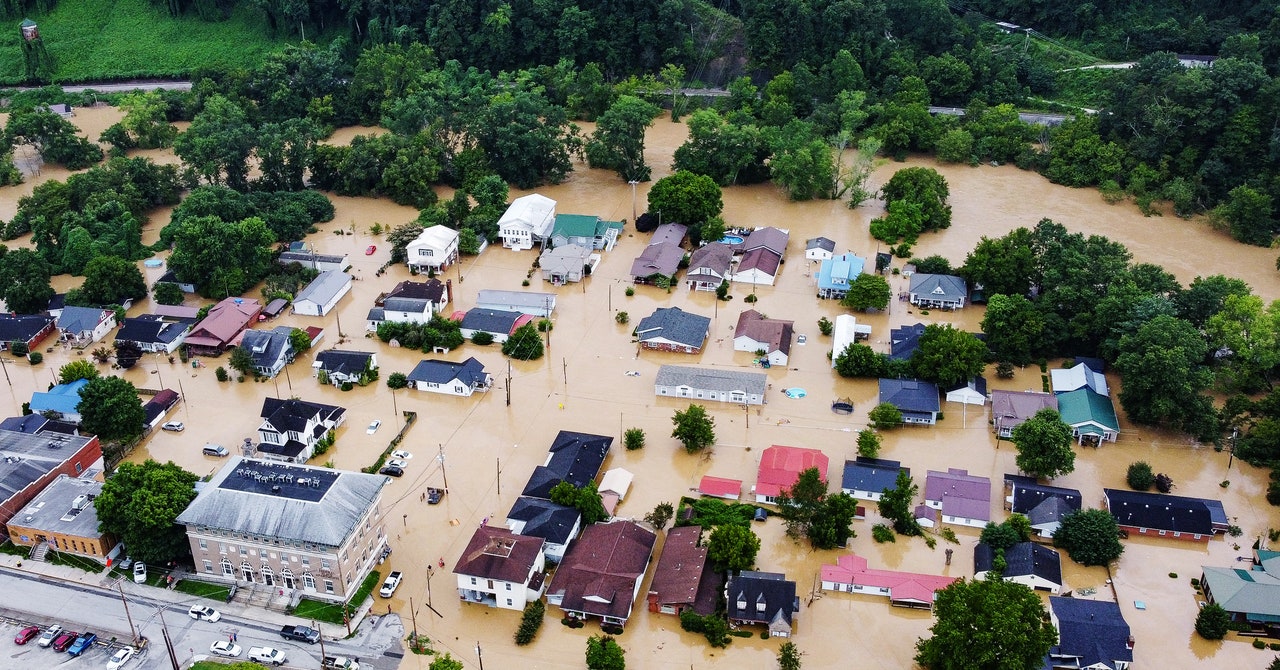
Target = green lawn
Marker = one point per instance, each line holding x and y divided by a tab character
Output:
86	564
331	612
15	549
122	39
204	589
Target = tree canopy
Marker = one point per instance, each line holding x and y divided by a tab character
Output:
110	408
948	356
1044	445
1090	536
139	504
685	197
733	547
695	429
868	291
989	623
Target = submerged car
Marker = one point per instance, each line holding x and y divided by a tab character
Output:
391	471
374	426
434	495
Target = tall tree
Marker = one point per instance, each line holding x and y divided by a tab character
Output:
1164	376
685	197
1044	445
110	280
733	547
604	653
947	355
218	143
923	186
1090	537
989	623
695	429
802	501
868	291
139	504
1003	265
110	408
1013	327
221	258
618	141
897	505
24	281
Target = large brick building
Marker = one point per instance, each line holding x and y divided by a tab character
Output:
30	461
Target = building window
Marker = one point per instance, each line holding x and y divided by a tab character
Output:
473	581
306	562
308	581
227	570
508	586
508	602
204	545
244	552
79	468
328	586
324	564
208	566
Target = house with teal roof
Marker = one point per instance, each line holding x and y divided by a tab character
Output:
1092	416
1250	596
836	273
585	230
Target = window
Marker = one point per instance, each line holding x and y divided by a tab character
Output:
208	565
328	586
204	545
227	570
508	586
508	602
306	562
308	581
79	468
324	564
244	552
473	581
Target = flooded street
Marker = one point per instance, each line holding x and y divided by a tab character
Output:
489	449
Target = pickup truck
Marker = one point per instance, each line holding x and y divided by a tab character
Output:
339	663
300	634
267	655
391	584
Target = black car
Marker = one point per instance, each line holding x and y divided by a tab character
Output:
391	471
434	495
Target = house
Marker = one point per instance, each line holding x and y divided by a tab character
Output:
585	230
763	253
225	320
528	220
1162	515
155	409
1092	417
273	309
82	326
867	478
673	329
498	323
291	428
669	233
601	573
62	517
310	260
449	378
64	110
1010	408
780	467
322	294
435	249
917	400
410	302
287	526
657	264
720	487
836	274
1033	565
819	249
850	574
343	367
526	302
1092	635
568	263
613	487
1194	60
271	350
762	598
972	392
154	334
1043	505
556	524
501	569
756	333
937	291
926	516
30	329
170	277
683	578
573	457
1250	596
904	341
845	333
709	266
31	461
962	498
61	401
1076	378
721	385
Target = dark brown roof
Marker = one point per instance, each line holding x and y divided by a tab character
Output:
680	568
432	289
497	553
762	259
774	332
600	571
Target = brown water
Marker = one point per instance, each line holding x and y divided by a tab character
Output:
580	385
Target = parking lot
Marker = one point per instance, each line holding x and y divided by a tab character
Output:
31	656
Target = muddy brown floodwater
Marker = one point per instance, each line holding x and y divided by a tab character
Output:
490	448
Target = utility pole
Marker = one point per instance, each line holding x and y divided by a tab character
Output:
168	643
313	625
479	656
498	470
442	472
287	377
564	364
633	200
508	382
132	630
413	616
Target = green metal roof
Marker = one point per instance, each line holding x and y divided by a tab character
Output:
1081	407
576	225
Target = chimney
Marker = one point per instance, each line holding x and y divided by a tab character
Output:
1129	643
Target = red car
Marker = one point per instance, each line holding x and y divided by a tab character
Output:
64	640
26	635
372	248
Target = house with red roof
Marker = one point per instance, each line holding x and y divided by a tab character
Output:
720	487
683	578
780	467
220	327
850	574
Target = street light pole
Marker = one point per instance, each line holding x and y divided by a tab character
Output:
633	200
479	656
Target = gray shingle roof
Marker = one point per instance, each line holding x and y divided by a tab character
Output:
1094	631
870	474
938	287
820	243
22	327
325	286
349	362
79	319
312	505
772	588
435	371
910	395
490	320
675	324
715	256
713	379
265	346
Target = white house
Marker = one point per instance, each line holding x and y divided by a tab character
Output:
819	249
434	249
718	384
449	378
82	326
846	331
1027	563
322	294
961	498
567	263
343	366
709	266
291	428
271	349
756	333
528	221
501	569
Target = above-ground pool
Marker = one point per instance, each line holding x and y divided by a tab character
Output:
795	392
733	239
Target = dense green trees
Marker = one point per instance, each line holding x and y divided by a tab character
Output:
109	280
618	142
1090	537
585	499
868	291
947	355
989	623
53	137
733	547
811	512
898	505
139	504
24	281
109	407
1044	445
685	197
695	429
220	257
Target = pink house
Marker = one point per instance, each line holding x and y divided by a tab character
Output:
720	487
850	574
781	466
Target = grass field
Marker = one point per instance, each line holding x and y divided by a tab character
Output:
203	589
99	40
331	612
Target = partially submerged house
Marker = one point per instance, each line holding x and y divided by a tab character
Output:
526	302
762	598
1092	416
450	378
498	323
1078	377
82	326
836	274
844	333
601	573
435	249
307	259
410	302
271	350
917	400
341	367
673	329
867	478
1251	596
568	263
938	291
904	341
819	248
762	256
757	333
1043	505
556	524
528	220
709	266
501	569
850	574
291	428
222	325
154	334
1009	409
715	384
1092	635
320	296
1163	515
971	392
683	578
29	329
59	402
963	499
1032	565
585	230
720	487
573	457
659	262
780	468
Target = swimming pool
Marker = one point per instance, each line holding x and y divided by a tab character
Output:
795	392
733	239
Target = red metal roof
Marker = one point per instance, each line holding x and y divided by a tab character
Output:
720	487
780	466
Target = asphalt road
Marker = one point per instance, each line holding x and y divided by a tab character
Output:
30	600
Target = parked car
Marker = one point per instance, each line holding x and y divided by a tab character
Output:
391	471
391	584
300	634
224	648
374	426
26	635
338	663
369	251
64	640
201	612
121	657
49	635
126	563
398	463
82	644
175	426
139	572
402	454
216	450
267	655
434	495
